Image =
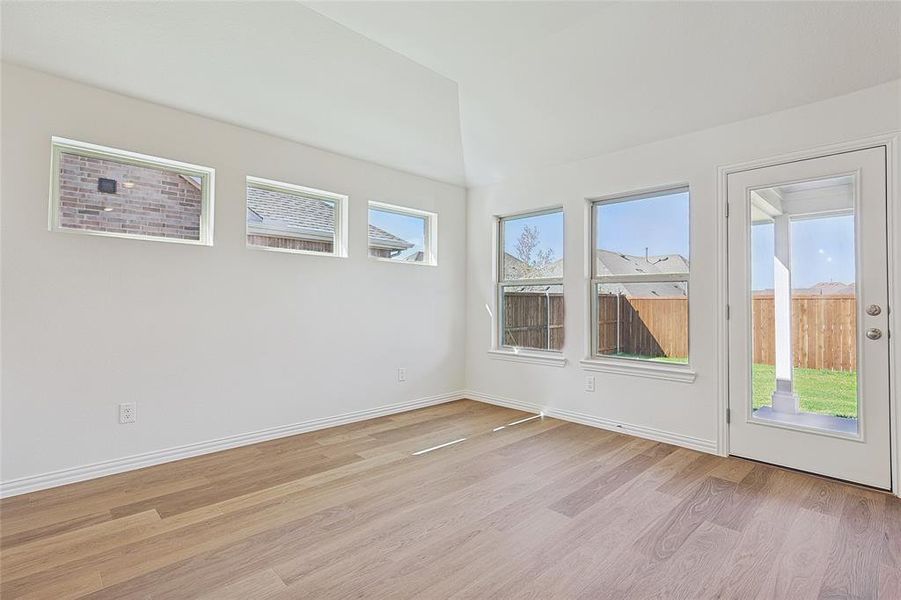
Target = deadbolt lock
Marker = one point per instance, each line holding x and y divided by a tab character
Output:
873	310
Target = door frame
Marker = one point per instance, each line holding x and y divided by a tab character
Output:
892	143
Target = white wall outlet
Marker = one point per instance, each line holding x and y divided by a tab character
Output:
589	383
128	412
401	374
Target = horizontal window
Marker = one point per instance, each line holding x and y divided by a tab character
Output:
401	234
530	281
105	191
639	276
282	216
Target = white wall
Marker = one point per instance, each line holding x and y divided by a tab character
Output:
209	341
215	342
681	411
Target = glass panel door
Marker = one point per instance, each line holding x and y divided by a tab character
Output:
808	327
804	304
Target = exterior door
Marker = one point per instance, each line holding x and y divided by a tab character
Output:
808	323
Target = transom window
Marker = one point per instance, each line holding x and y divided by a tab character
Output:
530	281
639	276
400	234
117	193
291	218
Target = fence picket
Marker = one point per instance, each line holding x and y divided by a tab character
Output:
824	327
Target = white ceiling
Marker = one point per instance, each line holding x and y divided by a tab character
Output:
544	83
276	67
538	83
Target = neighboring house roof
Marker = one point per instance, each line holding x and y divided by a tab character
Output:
829	288
380	238
193	180
512	266
517	269
279	214
614	263
824	288
555	269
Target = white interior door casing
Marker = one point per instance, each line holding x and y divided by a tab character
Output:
862	456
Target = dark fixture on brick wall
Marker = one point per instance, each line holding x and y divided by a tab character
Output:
106	186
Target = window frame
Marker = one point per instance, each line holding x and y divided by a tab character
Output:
498	348
61	145
339	247
430	234
626	364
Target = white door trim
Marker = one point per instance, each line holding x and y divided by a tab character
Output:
892	143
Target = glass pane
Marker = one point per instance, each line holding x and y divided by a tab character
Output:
533	316
397	236
104	195
533	246
642	234
804	304
291	221
643	320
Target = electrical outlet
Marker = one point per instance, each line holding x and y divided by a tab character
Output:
128	413
589	383
401	374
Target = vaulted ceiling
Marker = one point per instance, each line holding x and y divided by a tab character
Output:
465	92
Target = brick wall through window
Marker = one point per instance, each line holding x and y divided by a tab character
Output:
148	201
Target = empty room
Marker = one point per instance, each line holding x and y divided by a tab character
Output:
450	300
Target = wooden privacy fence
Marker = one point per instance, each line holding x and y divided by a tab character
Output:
824	327
824	331
533	320
652	326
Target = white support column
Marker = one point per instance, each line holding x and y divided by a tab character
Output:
784	398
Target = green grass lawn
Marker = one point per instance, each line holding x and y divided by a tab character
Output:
821	391
667	359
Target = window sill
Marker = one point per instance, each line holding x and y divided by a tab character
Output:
294	251
550	359
420	263
132	236
640	369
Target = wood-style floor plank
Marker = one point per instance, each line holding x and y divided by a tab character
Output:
667	537
259	586
542	509
853	568
760	547
749	491
805	553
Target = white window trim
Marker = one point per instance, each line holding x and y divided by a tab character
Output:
639	367
430	239
550	358
207	175
554	358
339	249
621	364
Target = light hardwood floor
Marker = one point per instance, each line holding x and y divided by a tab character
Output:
541	509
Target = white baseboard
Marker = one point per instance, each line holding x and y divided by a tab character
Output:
502	401
33	483
650	433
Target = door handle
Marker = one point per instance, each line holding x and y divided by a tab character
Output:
874	334
874	309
